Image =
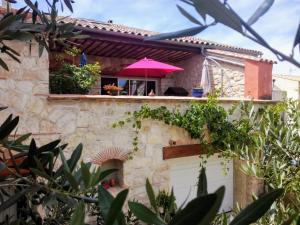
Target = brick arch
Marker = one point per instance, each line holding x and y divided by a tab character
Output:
109	154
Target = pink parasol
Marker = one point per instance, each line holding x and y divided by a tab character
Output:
148	68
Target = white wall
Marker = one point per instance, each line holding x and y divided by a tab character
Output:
290	86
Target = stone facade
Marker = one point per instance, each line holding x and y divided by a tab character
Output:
231	76
191	76
24	89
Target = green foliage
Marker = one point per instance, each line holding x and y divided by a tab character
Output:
206	122
47	33
31	177
72	79
66	191
202	183
203	209
266	138
166	205
272	147
257	209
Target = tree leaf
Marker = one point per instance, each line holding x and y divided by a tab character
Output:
72	162
49	147
210	216
22	138
260	11
103	175
16	196
182	33
195	211
85	174
3	65
188	16
105	201
40	173
199	9
297	37
257	208
71	180
8	126
32	152
151	195
12	56
9	20
34	12
220	13
64	162
69	5
144	214
116	207
202	183
78	215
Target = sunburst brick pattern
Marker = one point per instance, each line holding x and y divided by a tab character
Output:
108	154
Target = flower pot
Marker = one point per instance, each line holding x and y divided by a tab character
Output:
197	92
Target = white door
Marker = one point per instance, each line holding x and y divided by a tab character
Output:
184	178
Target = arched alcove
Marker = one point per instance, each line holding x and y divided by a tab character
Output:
112	158
115	179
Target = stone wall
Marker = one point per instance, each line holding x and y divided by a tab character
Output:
231	76
191	76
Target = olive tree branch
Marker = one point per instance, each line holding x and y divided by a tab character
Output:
259	39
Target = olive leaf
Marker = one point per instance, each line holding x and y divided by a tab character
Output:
260	11
182	33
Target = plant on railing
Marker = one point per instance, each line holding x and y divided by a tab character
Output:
72	79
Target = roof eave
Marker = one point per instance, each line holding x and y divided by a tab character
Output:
193	46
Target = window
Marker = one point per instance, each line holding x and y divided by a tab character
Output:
106	81
130	86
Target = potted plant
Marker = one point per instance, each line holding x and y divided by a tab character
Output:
112	89
197	91
70	78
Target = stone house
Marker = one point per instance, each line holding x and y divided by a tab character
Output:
88	119
116	46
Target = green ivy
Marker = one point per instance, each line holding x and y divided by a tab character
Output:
207	122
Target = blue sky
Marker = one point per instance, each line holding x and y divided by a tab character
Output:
278	26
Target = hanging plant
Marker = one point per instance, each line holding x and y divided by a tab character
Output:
207	123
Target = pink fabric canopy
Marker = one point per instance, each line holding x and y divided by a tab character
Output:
149	68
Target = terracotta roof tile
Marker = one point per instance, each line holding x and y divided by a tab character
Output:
97	25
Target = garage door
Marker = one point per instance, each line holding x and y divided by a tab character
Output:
184	177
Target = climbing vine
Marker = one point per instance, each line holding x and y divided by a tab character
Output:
207	122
